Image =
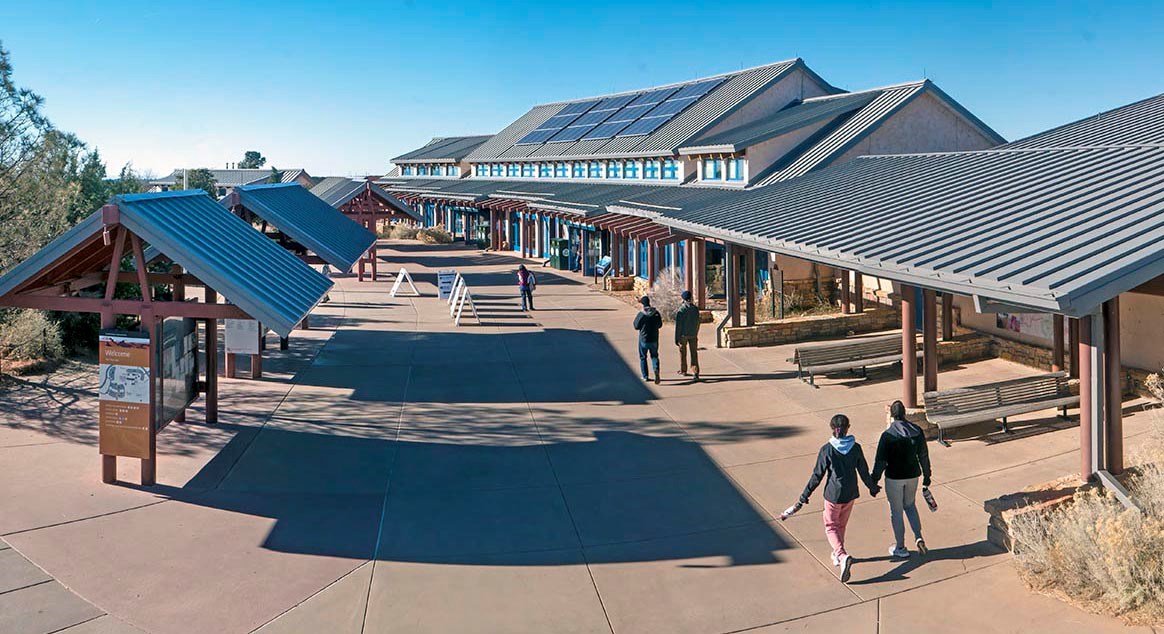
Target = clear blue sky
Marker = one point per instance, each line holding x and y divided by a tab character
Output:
341	87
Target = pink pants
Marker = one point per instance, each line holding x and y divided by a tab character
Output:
836	518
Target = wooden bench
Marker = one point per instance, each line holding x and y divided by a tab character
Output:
848	354
993	401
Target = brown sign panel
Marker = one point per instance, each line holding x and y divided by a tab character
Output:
124	393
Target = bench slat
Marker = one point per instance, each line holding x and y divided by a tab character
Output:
992	401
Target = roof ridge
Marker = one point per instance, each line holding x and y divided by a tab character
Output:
1017	150
904	84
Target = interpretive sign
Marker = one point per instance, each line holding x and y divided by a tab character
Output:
242	336
124	394
445	281
402	277
177	368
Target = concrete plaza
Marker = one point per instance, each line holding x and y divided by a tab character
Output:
395	473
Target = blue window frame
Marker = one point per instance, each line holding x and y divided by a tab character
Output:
481	169
630	169
560	170
512	170
595	169
422	170
527	170
544	170
670	170
735	169
712	170
614	169
495	169
578	169
452	170
406	170
651	170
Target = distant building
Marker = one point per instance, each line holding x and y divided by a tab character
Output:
228	179
442	157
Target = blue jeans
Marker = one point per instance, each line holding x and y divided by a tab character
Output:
526	297
651	348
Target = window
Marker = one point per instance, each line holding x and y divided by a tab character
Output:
527	170
406	170
511	170
561	170
614	169
544	170
712	170
651	170
630	169
595	170
578	169
481	169
452	170
422	170
670	170
495	169
735	169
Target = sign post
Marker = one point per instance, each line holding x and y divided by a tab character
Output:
242	337
125	398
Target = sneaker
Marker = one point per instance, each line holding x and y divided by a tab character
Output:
833	558
846	568
682	373
647	379
900	552
921	547
657	380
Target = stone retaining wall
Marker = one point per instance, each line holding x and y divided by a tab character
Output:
811	327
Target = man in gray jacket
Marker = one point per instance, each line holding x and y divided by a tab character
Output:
687	334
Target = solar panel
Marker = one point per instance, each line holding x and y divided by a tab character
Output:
537	136
631	113
594	118
572	133
654	96
697	89
646	125
671	106
614	103
607	130
557	122
578	108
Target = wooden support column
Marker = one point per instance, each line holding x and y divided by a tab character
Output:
732	281
1073	347
652	262
858	292
846	298
1057	343
1086	395
908	348
688	264
179	291
211	394
750	286
947	317
1113	381
930	339
701	272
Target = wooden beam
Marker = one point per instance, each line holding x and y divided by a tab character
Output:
125	306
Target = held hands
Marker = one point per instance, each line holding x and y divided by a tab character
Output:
874	490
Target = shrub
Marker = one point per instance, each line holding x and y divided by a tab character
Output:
29	335
665	292
403	231
1096	553
434	235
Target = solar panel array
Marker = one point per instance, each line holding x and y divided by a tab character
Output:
626	115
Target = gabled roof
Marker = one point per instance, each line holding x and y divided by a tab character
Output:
451	149
736	89
306	219
1139	122
581	198
235	177
1059	230
217	247
339	190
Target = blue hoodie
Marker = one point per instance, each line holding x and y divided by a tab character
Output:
841	460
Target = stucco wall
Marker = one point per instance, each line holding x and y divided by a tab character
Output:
796	85
1141	323
763	155
926	124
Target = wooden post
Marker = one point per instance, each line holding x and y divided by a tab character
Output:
1086	396
908	348
688	264
1057	343
930	339
701	272
211	362
179	289
846	299
750	286
231	365
1073	347
732	282
1113	380
149	323
947	317
652	258
858	292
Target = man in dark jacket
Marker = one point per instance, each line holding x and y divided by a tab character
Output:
904	457
841	460
687	334
648	322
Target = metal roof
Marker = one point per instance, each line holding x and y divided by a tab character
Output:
738	88
1139	122
217	247
339	240
450	149
1059	230
235	177
340	190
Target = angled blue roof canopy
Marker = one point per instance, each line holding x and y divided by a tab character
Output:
189	228
331	235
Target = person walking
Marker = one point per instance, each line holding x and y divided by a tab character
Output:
526	283
648	322
839	463
687	334
904	458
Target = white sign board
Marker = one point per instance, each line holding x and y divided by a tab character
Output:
445	283
403	276
242	336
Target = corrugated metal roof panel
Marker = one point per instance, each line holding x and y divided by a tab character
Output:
1139	122
339	190
491	149
453	148
308	220
1060	230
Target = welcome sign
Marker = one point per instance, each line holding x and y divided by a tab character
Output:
124	394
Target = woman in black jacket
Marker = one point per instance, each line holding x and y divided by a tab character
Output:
902	455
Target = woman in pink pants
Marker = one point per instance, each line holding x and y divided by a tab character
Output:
838	463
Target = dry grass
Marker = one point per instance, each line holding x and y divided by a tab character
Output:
796	304
434	235
665	293
1095	553
29	335
403	231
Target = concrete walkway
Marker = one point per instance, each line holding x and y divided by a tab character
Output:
395	473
